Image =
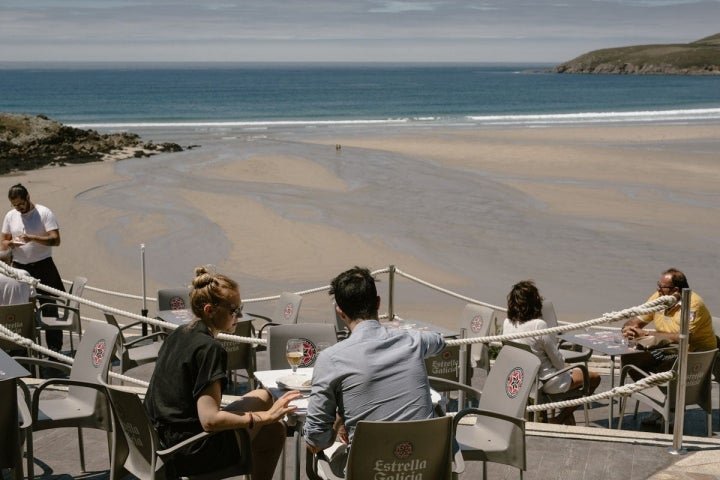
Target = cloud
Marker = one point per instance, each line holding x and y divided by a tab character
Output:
237	30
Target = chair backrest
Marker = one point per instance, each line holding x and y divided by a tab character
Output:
19	319
141	440
173	299
340	327
698	386
418	449
240	355
287	308
510	381
77	288
93	357
548	314
477	320
311	333
446	364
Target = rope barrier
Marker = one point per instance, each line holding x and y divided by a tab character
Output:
620	391
655	305
446	291
660	303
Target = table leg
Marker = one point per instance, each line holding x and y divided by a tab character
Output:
298	440
612	385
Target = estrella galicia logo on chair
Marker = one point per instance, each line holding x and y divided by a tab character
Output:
402	467
399	470
98	352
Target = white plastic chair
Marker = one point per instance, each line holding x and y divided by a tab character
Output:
661	398
569	354
418	448
137	447
85	405
311	333
68	311
19	319
478	320
135	351
498	433
286	312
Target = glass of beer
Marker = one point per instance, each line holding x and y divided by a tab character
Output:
295	352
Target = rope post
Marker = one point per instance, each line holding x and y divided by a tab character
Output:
677	448
391	291
144	311
462	369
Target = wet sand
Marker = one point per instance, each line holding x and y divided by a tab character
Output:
592	214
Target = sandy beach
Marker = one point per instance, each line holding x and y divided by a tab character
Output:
592	213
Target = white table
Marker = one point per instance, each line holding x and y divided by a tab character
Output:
176	317
408	324
268	379
606	342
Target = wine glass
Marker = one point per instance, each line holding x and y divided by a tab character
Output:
294	352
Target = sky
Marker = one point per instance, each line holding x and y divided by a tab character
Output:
342	30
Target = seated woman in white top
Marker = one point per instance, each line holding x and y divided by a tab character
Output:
524	311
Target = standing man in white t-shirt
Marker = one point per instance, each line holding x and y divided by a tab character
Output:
31	231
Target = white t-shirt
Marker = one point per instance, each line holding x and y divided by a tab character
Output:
13	292
38	221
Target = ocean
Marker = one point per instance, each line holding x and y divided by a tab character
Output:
248	96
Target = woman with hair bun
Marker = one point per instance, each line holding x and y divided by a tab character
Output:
183	398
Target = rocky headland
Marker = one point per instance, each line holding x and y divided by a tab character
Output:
28	142
701	57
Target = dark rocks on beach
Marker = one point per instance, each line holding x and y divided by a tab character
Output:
28	142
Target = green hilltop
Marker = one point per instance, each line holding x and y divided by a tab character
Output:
701	57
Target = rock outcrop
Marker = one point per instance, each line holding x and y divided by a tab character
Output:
697	58
28	142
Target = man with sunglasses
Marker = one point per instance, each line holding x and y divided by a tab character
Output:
667	327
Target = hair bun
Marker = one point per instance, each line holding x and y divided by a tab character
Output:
202	278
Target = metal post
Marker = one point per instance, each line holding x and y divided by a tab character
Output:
391	292
681	380
144	295
462	369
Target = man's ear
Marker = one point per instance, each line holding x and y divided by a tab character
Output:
341	313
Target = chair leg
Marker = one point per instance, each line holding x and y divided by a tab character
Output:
282	462
30	455
709	423
82	450
621	412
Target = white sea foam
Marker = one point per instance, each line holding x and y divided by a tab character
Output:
704	114
649	116
249	124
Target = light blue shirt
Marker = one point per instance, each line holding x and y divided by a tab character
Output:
374	374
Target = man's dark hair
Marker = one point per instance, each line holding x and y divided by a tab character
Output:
355	293
678	278
524	302
18	191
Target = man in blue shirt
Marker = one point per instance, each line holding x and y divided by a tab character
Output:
374	374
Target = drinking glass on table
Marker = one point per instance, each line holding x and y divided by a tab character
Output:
295	351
